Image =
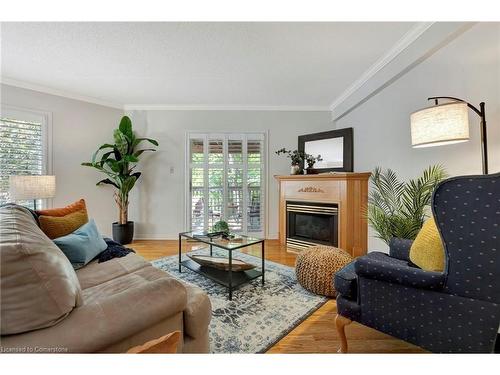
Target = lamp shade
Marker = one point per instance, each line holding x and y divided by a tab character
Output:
440	124
32	187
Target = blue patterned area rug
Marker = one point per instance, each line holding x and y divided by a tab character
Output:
258	316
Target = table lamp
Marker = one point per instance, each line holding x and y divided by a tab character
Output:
32	187
446	124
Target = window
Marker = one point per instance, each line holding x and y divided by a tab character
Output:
23	148
226	180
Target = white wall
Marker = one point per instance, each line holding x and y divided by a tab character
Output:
78	129
468	68
158	203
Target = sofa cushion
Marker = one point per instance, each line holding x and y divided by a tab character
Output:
38	284
197	313
96	326
83	245
345	281
119	284
96	273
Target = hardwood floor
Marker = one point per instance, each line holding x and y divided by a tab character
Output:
317	333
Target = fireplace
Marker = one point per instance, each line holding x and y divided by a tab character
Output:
348	192
310	224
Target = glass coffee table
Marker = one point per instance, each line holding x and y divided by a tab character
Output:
230	278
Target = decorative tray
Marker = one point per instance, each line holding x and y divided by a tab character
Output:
221	263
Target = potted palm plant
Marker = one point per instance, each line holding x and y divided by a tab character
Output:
397	208
118	162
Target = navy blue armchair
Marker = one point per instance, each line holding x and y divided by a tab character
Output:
456	311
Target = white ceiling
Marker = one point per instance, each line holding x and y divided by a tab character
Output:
197	64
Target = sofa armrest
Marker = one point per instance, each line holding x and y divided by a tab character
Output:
399	248
95	326
398	273
198	312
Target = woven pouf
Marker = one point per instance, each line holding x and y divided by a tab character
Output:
316	266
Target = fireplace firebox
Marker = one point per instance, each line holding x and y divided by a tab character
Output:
311	223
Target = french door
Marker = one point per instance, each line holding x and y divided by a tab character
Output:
226	181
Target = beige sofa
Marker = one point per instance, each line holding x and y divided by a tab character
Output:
107	307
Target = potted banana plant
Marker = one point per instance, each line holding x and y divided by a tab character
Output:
118	162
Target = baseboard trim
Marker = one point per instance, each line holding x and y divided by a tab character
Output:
159	236
165	236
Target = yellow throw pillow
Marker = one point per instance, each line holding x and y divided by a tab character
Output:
427	250
58	226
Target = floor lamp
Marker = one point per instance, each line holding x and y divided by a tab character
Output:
446	124
32	187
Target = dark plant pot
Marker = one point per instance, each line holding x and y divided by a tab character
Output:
311	170
123	233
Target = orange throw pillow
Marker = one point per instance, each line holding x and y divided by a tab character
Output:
58	226
63	211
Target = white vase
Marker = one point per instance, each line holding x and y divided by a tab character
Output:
295	169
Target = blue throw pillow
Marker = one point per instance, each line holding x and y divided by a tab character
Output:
83	245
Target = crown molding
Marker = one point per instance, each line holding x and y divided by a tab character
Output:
413	34
57	92
157	107
420	42
173	107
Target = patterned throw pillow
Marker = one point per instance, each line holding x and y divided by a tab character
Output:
58	226
427	250
63	211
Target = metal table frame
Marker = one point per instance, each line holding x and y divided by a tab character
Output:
229	279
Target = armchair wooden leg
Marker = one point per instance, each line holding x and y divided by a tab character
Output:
340	323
